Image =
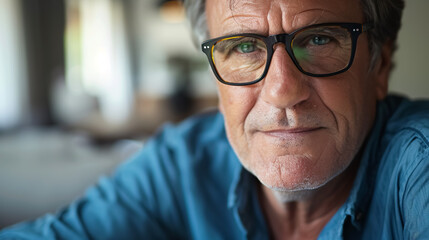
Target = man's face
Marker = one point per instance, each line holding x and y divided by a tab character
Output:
290	130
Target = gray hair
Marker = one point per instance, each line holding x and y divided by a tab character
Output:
196	13
384	15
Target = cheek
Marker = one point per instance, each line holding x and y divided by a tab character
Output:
351	98
235	103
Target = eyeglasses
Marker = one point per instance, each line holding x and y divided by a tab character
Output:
319	50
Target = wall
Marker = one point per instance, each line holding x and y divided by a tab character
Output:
410	76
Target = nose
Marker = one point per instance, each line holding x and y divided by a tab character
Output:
284	85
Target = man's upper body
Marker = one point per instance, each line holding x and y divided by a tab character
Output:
301	149
187	183
298	85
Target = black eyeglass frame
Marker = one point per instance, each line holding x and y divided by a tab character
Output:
355	29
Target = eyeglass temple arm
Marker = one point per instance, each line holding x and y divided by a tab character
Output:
366	27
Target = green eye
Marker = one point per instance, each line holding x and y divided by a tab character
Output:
245	47
320	40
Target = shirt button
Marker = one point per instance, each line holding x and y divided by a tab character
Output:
359	216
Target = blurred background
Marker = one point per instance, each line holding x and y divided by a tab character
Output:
83	83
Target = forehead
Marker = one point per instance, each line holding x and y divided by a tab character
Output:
276	16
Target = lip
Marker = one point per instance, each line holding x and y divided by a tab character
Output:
291	131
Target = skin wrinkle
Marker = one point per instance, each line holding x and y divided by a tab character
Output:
337	126
269	15
268	117
295	23
234	16
300	194
337	115
275	119
281	169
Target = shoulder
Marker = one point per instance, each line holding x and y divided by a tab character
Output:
203	127
195	147
180	142
172	168
406	134
403	173
189	139
408	115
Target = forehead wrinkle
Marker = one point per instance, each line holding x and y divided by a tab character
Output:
244	4
253	17
246	23
248	15
322	17
246	8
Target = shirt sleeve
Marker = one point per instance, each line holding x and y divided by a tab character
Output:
415	194
142	200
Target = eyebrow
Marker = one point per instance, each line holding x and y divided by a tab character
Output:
265	34
243	32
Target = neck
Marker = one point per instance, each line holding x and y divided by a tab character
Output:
303	214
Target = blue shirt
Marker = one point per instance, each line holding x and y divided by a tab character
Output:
187	183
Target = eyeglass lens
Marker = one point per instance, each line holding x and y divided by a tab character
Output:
317	50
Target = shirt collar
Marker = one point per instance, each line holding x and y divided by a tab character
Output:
358	201
238	187
243	202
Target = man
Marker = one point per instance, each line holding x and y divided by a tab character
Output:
306	144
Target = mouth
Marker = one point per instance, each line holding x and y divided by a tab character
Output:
284	133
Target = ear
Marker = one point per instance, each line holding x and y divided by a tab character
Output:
382	69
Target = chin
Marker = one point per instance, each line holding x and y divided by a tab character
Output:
281	185
296	179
